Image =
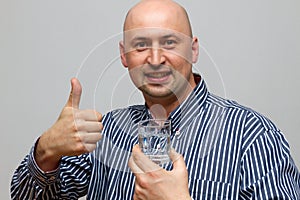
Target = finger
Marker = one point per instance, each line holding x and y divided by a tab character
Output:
177	159
137	197
89	126
142	161
139	192
90	138
89	115
133	166
75	94
90	147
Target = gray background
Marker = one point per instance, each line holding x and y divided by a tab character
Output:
250	54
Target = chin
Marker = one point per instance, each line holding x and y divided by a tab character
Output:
158	93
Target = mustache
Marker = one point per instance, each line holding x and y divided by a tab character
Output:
156	71
156	68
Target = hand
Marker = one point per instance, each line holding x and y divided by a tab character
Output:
74	133
155	183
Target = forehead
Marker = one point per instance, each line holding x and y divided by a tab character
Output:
154	33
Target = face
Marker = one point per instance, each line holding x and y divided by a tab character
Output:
158	51
159	61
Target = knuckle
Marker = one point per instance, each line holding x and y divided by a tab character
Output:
78	114
79	125
65	110
90	114
100	137
77	138
142	181
91	147
99	117
79	147
68	111
101	126
137	191
74	126
156	174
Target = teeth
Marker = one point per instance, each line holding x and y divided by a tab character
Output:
157	75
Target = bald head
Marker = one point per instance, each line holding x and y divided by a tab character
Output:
164	14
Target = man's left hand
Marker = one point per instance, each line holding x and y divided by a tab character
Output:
155	183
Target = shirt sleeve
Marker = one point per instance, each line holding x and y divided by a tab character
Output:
69	181
267	169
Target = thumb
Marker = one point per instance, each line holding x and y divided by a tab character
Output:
177	160
75	94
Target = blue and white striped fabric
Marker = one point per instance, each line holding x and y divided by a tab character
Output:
231	152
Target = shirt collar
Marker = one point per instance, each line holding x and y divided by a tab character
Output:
183	115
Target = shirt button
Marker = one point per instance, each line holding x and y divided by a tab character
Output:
52	178
177	133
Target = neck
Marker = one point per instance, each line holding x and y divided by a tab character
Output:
161	107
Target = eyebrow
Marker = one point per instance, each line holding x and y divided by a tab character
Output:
171	35
136	39
142	38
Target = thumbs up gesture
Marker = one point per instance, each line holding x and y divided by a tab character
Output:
75	132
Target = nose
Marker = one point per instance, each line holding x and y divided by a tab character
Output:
156	56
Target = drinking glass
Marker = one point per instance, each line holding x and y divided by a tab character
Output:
154	139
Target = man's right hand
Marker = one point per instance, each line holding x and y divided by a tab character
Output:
74	133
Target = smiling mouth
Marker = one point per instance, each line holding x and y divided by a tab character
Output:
157	77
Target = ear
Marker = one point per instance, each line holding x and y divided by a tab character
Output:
195	50
122	54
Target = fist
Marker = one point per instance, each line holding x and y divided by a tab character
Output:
155	183
75	132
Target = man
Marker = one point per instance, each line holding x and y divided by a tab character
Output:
222	150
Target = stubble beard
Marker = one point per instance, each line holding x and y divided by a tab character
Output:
173	91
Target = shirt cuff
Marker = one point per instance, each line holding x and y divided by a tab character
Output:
42	178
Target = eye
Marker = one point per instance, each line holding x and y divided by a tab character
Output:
169	44
140	46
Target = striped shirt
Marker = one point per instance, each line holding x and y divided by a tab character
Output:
231	152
